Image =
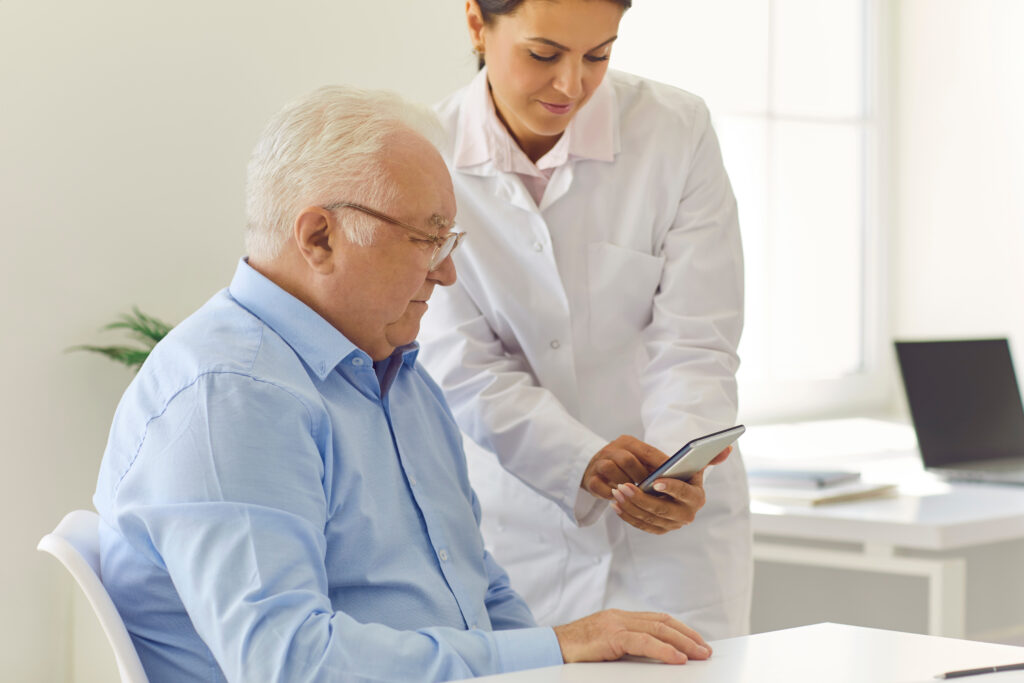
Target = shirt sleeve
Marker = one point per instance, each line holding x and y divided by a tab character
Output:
505	608
498	403
227	494
689	383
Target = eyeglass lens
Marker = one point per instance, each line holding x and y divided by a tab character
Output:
443	250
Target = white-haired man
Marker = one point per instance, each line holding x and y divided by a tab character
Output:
284	495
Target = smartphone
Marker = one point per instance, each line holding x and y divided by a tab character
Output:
693	457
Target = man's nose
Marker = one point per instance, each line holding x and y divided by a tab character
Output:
444	274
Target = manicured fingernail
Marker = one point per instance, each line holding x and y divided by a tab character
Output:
626	490
618	495
659	487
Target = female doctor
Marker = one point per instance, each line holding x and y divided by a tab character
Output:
595	321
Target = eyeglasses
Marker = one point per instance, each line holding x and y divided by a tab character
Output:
443	246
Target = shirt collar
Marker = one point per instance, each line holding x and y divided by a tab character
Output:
409	353
318	343
592	134
387	369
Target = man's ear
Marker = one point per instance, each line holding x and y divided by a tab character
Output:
475	20
316	234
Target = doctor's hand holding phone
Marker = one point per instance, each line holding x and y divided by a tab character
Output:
650	490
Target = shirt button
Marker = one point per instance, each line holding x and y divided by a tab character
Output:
443	554
537	246
473	625
555	344
357	361
412	481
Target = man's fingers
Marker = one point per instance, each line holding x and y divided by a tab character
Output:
611	634
646	645
677	634
664	638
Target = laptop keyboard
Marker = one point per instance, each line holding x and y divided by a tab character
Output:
1009	470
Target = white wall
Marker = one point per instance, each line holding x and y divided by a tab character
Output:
958	261
125	127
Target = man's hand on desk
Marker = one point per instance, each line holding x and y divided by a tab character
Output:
627	459
611	634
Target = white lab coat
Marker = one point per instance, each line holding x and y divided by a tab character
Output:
613	308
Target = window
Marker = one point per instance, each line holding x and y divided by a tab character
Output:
792	90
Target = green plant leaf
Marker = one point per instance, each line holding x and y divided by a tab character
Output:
133	358
146	329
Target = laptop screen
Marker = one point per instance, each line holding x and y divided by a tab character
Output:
964	400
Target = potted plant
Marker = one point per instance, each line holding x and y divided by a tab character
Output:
145	329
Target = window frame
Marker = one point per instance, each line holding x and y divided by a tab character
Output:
870	390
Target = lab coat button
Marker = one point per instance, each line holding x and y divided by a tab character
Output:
555	344
537	246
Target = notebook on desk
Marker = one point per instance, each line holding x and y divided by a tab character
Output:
966	408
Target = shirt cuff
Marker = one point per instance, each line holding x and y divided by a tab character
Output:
527	648
586	507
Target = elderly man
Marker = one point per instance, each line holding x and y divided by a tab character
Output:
284	494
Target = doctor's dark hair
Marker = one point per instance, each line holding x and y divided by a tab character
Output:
493	8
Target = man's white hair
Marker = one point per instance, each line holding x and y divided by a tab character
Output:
329	146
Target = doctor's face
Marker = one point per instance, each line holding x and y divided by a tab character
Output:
544	61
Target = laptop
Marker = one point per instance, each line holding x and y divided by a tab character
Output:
966	408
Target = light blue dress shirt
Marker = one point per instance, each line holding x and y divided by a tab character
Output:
272	510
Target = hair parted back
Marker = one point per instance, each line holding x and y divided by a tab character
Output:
495	8
327	146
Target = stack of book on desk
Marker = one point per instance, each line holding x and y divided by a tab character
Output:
811	487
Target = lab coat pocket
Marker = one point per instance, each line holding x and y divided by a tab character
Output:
621	285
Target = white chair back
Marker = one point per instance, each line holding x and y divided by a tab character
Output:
76	543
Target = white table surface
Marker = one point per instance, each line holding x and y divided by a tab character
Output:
927	513
822	653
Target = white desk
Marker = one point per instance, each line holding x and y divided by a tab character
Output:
823	653
927	515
